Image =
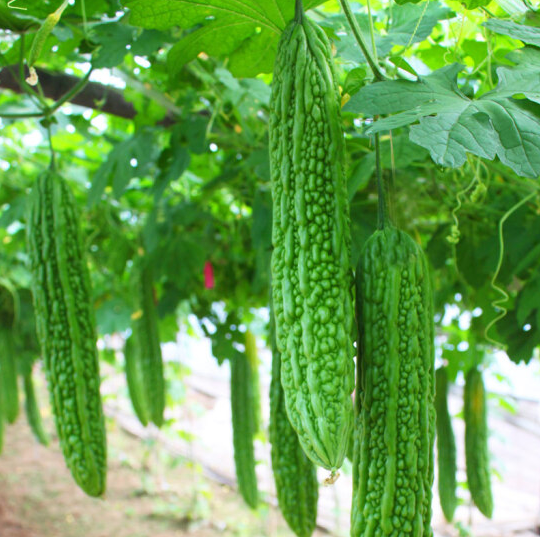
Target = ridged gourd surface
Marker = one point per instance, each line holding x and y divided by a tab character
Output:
476	442
295	475
147	346
66	331
311	272
393	459
446	447
243	428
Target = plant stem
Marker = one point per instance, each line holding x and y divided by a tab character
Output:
299	11
382	216
372	33
357	32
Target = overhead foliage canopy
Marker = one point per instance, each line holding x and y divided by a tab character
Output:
158	117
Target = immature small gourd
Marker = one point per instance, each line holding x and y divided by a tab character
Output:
476	442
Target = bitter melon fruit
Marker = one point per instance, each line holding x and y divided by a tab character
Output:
32	410
295	475
243	427
135	381
8	375
253	359
446	447
393	459
66	330
476	442
311	271
146	344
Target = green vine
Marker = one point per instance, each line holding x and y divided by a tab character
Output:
497	304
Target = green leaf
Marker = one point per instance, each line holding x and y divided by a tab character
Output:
128	159
114	38
527	34
245	30
451	124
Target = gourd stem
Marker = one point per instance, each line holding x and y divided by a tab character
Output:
357	32
299	11
382	217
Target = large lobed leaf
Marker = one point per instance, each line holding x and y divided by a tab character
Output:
245	30
450	124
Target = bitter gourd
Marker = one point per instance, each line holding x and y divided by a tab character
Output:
243	427
135	381
147	348
32	410
446	447
8	374
393	467
311	271
476	442
295	475
251	355
66	330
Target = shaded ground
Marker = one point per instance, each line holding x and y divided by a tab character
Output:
39	499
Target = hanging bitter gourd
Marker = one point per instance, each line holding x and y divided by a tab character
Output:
243	427
32	410
393	467
446	447
8	374
66	331
135	380
295	475
476	442
311	271
146	345
253	359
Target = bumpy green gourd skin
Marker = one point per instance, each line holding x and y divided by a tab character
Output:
135	381
65	328
243	428
476	442
294	474
147	348
446	447
311	259
393	466
32	411
8	374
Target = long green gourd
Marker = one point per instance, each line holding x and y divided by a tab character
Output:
147	348
135	381
8	374
446	447
311	271
476	442
1	419
393	459
243	427
253	359
66	331
32	410
295	475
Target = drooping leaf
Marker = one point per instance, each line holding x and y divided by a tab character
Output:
245	30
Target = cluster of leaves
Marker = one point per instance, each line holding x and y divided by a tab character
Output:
186	178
